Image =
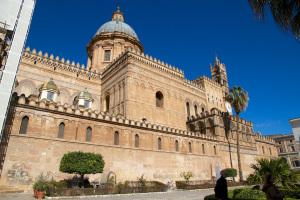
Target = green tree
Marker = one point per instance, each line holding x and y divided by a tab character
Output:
81	163
238	98
278	168
286	13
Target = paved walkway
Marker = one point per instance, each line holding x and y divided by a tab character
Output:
172	195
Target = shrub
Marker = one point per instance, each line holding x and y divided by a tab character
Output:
81	163
229	172
40	184
248	193
279	168
210	197
186	175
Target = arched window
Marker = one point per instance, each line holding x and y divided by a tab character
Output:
61	130
196	110
215	150
263	150
136	141
203	149
159	143
107	99
176	145
270	150
159	99
188	109
116	138
190	147
202	109
24	125
88	137
280	150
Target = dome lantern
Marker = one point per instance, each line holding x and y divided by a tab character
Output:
118	15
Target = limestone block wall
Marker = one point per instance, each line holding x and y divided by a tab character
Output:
143	76
40	150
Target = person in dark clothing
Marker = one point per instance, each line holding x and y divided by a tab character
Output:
271	190
221	190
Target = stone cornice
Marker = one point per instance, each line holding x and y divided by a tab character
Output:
57	63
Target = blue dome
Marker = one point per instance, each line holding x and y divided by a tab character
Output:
117	26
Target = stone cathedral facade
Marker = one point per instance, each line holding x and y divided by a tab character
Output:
140	113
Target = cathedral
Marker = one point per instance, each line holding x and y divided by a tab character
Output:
140	113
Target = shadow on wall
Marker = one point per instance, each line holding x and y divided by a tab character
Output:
7	130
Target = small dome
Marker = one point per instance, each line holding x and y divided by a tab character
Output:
117	24
49	86
85	95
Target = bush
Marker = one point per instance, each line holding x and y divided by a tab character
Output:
248	193
229	172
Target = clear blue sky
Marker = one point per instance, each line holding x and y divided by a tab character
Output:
188	34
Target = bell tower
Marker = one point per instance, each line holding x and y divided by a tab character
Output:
219	74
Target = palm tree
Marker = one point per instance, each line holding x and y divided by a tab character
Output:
278	168
286	13
238	98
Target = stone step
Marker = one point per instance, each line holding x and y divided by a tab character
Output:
10	189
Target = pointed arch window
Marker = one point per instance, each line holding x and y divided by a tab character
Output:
107	99
24	125
190	147
196	109
116	138
88	137
159	99
61	130
203	148
215	150
188	109
270	150
136	141
176	145
263	150
159	143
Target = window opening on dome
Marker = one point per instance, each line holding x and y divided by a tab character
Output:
107	55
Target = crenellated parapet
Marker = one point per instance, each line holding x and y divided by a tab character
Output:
204	78
152	62
264	139
57	63
148	60
94	115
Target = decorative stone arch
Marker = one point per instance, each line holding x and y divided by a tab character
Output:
214	109
95	104
65	96
26	87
